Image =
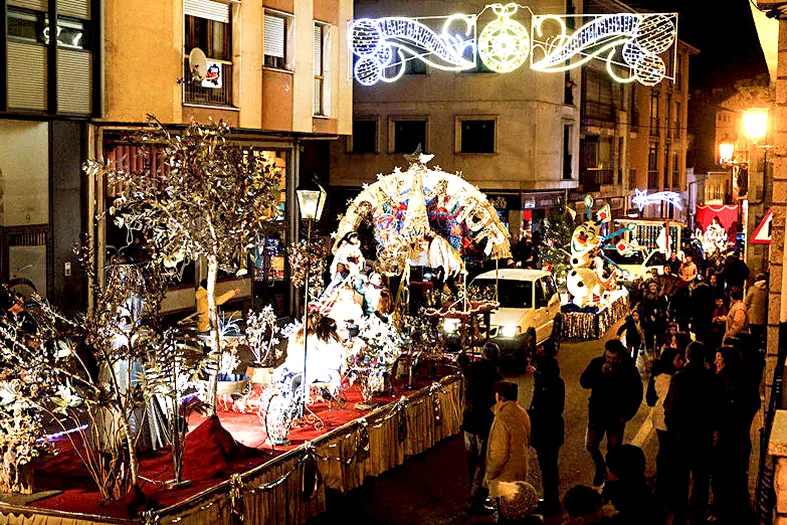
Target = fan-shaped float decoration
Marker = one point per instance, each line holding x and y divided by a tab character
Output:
405	206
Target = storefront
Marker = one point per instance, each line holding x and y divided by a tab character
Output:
267	279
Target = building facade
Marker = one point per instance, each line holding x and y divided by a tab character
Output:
514	135
50	88
277	73
634	136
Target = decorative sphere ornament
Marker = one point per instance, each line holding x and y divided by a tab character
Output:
368	71
504	44
366	37
655	33
650	70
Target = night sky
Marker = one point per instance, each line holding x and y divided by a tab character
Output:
723	31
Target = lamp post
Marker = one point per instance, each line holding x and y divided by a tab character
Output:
310	203
755	127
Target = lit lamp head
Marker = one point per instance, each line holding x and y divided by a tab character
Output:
311	202
755	124
726	151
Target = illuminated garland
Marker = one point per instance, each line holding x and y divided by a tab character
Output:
629	43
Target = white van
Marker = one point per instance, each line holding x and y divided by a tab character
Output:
529	305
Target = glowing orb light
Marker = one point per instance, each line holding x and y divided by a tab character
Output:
504	44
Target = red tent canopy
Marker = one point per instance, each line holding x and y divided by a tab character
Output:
727	214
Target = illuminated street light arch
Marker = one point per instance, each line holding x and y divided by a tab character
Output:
631	44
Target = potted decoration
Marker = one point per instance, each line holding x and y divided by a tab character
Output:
262	338
377	348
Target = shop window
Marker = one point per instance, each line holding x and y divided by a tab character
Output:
277	46
364	137
477	135
408	134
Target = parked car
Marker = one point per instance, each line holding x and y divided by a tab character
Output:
637	263
529	309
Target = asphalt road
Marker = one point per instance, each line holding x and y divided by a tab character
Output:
431	488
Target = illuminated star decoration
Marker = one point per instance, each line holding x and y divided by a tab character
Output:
642	199
418	157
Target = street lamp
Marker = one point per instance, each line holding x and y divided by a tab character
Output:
755	124
311	203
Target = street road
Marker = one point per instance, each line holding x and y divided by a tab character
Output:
431	488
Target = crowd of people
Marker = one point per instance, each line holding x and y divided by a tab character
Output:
693	348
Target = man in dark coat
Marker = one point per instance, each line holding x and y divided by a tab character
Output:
546	426
735	271
480	379
691	413
653	314
615	396
703	303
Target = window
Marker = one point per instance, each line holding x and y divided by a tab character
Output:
568	150
408	134
568	88
364	138
276	40
676	171
678	110
477	135
679	74
510	294
654	112
415	66
207	26
322	60
597	103
33	28
621	161
653	166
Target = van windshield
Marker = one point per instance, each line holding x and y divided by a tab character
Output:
511	294
632	257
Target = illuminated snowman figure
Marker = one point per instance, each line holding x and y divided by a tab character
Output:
504	43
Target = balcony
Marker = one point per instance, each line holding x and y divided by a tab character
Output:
597	111
195	93
593	179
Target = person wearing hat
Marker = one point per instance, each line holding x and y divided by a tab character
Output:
756	304
508	445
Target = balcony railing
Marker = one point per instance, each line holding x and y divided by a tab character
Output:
593	179
194	93
598	111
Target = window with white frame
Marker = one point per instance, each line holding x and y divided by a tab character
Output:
322	62
277	39
207	25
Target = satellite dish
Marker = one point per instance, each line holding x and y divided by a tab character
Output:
198	64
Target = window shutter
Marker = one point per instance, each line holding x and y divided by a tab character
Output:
75	8
26	76
274	36
317	50
74	76
37	5
209	9
326	70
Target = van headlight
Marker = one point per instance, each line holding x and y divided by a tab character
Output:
450	325
511	331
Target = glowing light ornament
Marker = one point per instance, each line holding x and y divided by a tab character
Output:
504	44
642	199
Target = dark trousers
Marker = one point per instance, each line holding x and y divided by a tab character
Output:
759	336
550	473
664	468
595	434
730	480
692	465
475	447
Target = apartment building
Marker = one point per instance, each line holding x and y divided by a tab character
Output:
634	136
514	135
50	88
278	74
